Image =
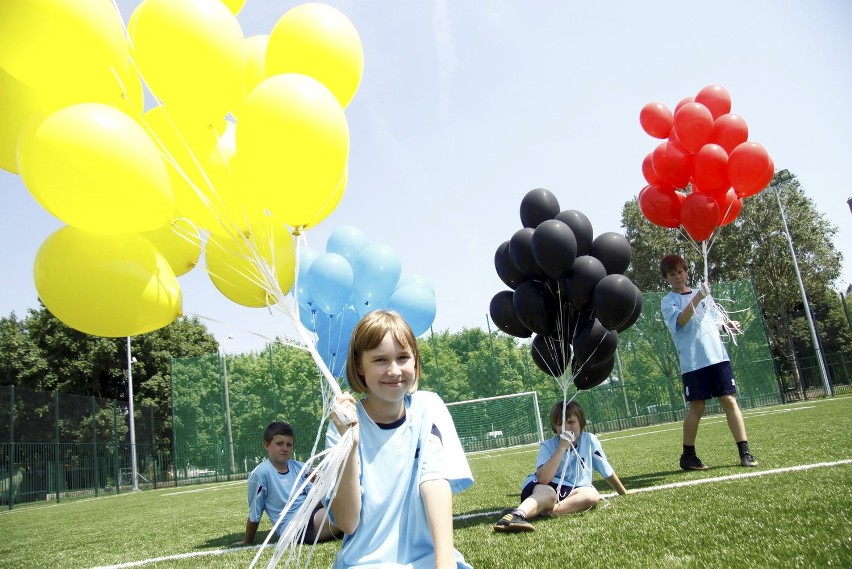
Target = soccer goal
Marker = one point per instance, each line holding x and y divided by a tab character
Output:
498	422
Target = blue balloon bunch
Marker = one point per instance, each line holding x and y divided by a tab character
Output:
336	288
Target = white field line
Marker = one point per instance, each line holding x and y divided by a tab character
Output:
216	487
750	474
176	557
122	495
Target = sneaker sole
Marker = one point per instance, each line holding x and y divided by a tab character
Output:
514	528
687	468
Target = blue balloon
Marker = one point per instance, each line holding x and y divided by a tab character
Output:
377	272
330	280
347	240
416	304
307	256
407	279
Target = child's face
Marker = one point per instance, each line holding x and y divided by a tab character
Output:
571	424
677	279
279	449
388	370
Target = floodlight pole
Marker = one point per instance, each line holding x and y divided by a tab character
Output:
779	178
232	464
134	477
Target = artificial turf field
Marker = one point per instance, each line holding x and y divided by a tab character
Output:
794	510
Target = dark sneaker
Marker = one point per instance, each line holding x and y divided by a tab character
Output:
513	521
746	459
692	463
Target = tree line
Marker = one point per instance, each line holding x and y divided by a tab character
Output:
40	353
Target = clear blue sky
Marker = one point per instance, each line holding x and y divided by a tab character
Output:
465	106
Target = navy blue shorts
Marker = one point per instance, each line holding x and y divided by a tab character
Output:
709	382
563	492
310	531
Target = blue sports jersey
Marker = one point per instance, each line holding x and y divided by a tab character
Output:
269	490
576	464
698	342
393	531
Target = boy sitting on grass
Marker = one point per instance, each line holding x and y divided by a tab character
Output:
273	481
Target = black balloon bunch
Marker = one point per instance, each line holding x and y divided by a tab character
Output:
568	291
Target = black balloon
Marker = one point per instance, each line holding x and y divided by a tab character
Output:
503	315
593	344
637	311
535	306
554	248
506	269
586	273
594	376
537	206
520	252
614	300
613	250
582	228
550	356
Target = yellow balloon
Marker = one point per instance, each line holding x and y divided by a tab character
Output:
318	40
180	243
106	285
253	271
95	168
333	200
56	42
292	147
191	54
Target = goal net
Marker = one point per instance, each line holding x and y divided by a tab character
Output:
498	422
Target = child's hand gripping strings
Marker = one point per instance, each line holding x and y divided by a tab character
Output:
567	435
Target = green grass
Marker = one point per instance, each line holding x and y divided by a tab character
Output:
781	519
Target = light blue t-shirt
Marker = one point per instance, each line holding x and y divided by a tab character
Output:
269	490
393	530
587	456
698	343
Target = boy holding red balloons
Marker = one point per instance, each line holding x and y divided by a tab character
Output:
704	363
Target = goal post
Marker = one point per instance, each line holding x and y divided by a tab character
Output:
498	422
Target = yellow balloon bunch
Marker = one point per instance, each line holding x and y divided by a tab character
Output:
135	186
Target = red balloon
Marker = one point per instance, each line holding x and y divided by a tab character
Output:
750	168
710	169
716	98
648	171
682	102
730	206
656	119
729	131
672	163
693	125
660	206
699	215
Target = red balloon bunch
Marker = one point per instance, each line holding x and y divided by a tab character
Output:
704	167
